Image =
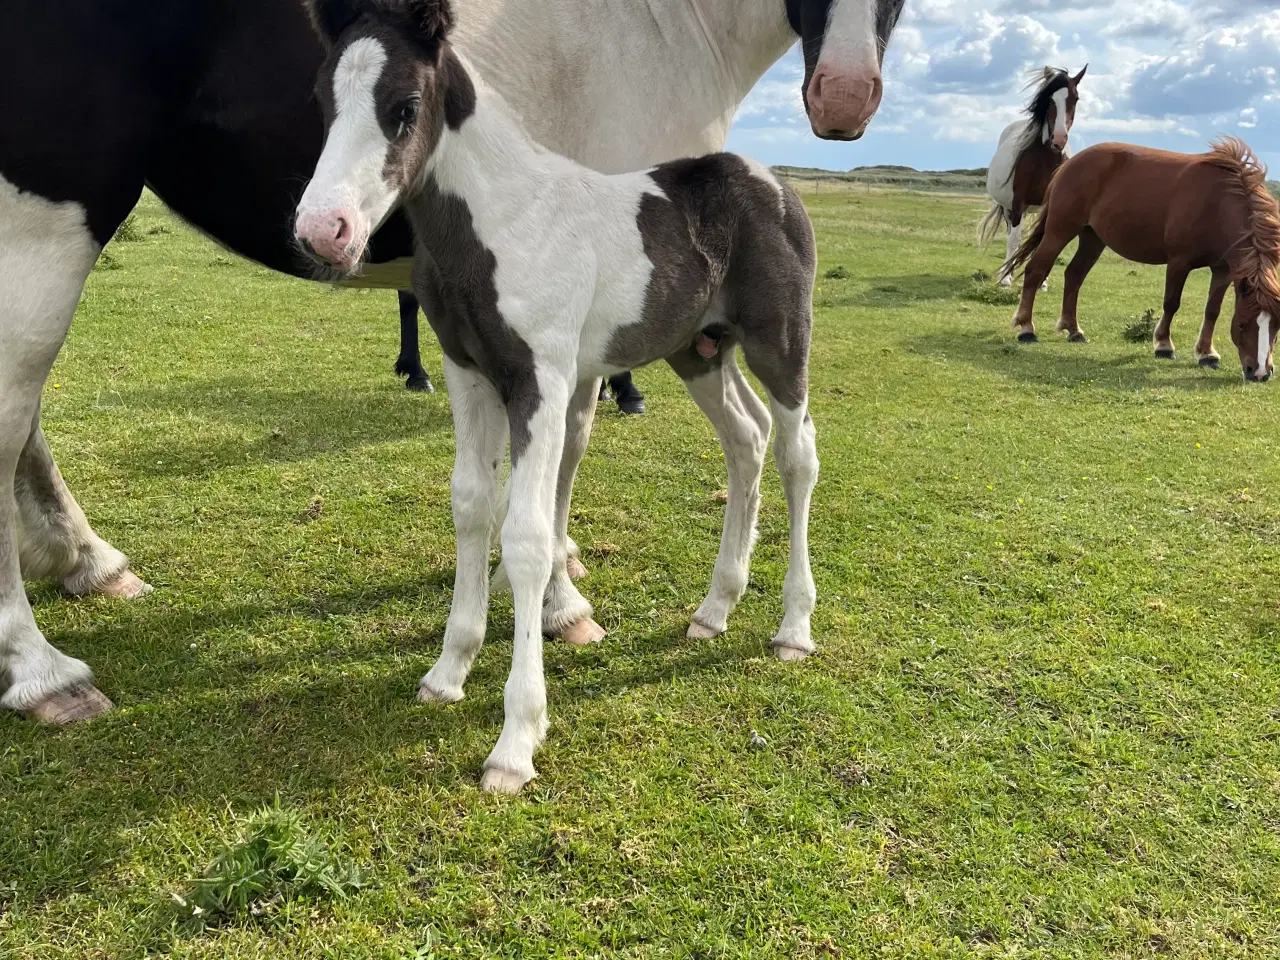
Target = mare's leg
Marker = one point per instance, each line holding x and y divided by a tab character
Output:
527	535
409	363
1206	356
1011	248
46	254
626	394
1175	278
480	432
565	612
1087	254
742	425
796	453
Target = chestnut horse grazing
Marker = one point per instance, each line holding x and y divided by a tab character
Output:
1185	210
1028	154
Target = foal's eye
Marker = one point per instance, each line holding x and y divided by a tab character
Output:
407	115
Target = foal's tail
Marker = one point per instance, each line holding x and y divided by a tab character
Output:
1029	244
989	226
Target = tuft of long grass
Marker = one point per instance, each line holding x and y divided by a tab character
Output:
1142	329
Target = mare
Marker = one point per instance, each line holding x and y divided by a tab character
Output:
212	105
541	276
1029	152
1184	210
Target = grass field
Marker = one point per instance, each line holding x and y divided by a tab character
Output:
1043	721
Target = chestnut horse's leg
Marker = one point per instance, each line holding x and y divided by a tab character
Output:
1087	254
1053	238
1206	356
1175	278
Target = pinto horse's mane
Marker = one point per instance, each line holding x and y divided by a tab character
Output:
1260	254
1037	109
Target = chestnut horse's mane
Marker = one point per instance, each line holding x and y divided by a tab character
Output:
1260	254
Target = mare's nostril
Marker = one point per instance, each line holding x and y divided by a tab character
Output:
342	233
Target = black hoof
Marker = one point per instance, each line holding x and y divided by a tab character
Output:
632	406
1077	337
1212	363
420	384
1162	354
1028	338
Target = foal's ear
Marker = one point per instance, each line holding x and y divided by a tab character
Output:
433	19
331	17
1079	76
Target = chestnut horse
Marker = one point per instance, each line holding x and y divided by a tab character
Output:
1184	210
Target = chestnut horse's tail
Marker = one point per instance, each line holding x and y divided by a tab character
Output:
989	226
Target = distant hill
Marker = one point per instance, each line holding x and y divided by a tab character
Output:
909	178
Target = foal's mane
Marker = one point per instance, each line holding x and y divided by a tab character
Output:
1260	254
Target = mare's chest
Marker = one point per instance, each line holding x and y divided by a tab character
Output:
1032	172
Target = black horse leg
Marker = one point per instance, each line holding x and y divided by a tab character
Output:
625	392
409	363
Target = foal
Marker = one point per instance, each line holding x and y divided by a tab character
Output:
543	276
1185	210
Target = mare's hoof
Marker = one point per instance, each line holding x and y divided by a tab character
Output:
1028	337
81	702
1212	363
505	782
700	631
631	406
429	694
127	585
420	385
789	654
1077	337
582	633
1164	353
576	569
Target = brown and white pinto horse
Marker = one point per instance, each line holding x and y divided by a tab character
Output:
1185	210
1028	153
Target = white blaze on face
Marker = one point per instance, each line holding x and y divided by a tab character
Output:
1059	130
1264	341
851	35
348	182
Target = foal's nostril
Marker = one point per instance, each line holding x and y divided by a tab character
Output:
342	232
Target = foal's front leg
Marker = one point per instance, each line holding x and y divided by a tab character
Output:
527	533
480	433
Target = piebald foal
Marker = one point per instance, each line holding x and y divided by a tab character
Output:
543	276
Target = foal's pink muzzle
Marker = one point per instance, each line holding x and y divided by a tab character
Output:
842	102
329	238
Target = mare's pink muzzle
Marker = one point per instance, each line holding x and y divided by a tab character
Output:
330	238
842	103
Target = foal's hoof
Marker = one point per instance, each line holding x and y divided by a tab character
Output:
503	782
1028	336
421	384
789	654
1164	353
81	702
576	568
1077	337
1211	363
631	406
700	631
429	694
582	633
127	585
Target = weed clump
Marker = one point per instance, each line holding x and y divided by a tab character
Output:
276	862
128	231
838	273
1142	329
992	294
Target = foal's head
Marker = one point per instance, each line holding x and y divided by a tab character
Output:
1053	106
388	88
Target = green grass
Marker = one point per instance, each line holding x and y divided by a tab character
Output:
1043	721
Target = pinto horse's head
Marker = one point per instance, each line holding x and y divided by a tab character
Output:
1053	106
1253	330
387	89
843	43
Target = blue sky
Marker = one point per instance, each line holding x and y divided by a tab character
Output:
1167	73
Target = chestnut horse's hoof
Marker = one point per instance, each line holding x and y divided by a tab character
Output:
1164	353
1077	337
81	702
1028	336
1211	363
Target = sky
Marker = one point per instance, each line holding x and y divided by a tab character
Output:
1165	73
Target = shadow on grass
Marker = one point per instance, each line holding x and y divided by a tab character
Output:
297	424
1076	365
896	291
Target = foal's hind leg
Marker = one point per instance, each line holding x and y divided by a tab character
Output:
795	451
1087	254
742	424
1206	356
1175	279
409	363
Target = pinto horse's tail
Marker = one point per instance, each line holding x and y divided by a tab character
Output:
1029	244
989	226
